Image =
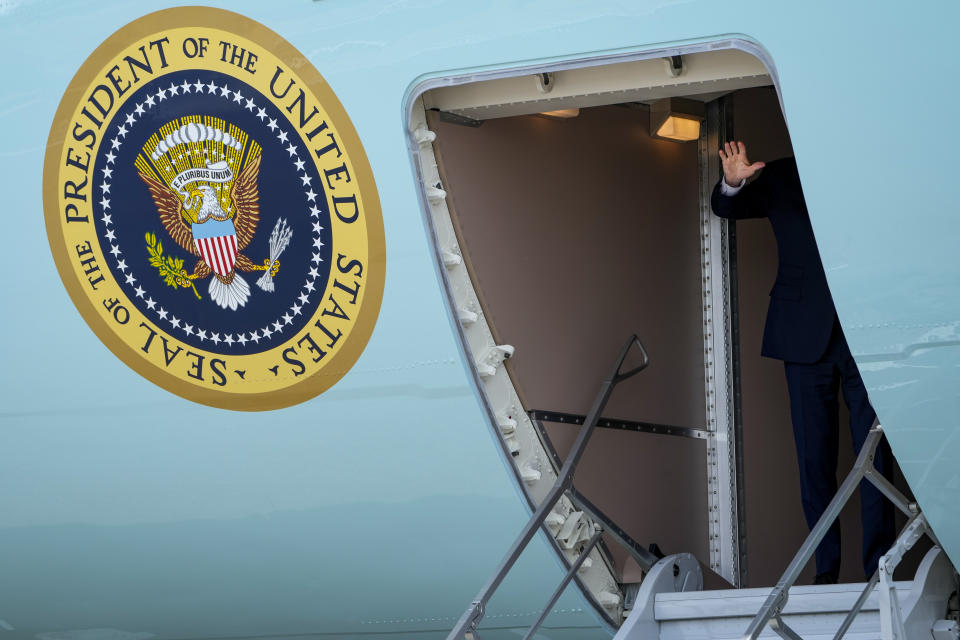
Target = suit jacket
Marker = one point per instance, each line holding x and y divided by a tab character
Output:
801	313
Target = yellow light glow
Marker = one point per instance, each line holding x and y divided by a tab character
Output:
680	129
562	113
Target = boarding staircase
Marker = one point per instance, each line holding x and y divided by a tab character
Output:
663	611
671	603
925	608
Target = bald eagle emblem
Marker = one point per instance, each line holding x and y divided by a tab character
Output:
209	211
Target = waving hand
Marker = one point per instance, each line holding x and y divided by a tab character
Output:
736	166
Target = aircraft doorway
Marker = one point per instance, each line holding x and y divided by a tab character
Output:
572	233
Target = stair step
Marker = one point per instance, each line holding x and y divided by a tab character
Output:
825	632
663	610
732	603
815	612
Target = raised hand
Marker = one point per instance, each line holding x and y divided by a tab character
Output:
736	166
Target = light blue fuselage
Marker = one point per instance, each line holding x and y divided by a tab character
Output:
383	504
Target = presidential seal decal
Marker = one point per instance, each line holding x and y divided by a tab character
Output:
212	212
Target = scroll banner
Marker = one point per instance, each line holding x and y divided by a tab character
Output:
216	172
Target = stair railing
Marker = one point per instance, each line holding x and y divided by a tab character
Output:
770	612
467	627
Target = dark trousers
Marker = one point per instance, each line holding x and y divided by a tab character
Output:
814	409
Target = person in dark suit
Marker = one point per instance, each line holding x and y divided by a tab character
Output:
802	329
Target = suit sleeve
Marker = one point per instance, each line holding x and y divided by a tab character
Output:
749	202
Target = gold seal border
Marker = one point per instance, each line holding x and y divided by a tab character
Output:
209	17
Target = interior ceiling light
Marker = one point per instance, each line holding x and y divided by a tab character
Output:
676	119
562	113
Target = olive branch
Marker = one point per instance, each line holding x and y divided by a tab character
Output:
171	269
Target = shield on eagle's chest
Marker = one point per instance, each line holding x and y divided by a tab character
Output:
216	241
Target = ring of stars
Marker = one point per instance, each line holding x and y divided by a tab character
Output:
275	328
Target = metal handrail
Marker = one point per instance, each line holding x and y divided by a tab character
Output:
467	626
862	469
